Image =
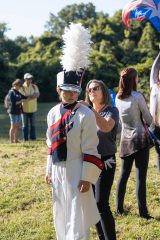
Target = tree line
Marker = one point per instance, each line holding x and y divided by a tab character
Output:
114	47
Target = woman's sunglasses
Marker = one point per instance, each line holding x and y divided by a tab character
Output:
93	89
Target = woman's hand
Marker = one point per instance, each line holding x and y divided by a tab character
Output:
20	101
83	186
48	178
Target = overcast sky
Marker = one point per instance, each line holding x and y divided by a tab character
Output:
28	17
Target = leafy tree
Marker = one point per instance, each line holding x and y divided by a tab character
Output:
3	29
71	13
148	41
22	43
114	47
104	67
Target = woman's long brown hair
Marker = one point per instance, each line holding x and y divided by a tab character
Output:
105	92
127	83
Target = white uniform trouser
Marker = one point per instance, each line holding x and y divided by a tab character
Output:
72	212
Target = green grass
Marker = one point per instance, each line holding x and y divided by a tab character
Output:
26	202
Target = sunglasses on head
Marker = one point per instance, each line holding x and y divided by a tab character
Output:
93	89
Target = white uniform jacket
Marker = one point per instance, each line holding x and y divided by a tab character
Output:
74	212
155	103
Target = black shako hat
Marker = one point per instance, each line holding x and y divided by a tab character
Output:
70	81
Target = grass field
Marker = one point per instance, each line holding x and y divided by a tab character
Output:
25	200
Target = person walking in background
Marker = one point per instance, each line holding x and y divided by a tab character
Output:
15	109
29	107
134	143
155	102
107	118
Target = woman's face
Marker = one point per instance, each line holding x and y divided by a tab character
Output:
95	93
68	96
17	87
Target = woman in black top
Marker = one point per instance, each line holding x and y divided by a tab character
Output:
15	109
107	118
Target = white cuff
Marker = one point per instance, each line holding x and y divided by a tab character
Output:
90	172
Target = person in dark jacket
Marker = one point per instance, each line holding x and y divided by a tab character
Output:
15	109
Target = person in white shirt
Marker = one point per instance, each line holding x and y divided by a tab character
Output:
73	164
155	103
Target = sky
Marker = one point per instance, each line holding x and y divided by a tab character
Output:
28	17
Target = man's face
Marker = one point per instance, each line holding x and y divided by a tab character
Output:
29	80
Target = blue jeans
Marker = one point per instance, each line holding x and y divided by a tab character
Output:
28	126
15	118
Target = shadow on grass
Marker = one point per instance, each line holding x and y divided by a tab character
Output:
157	218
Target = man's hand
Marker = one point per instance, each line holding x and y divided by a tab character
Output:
48	178
83	186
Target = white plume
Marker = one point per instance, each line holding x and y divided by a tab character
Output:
77	45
